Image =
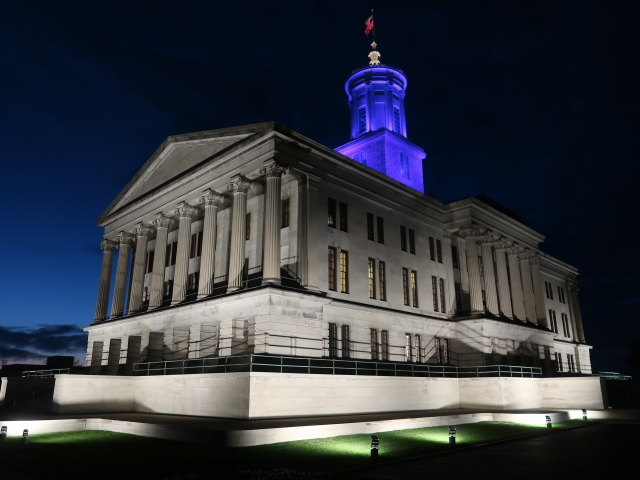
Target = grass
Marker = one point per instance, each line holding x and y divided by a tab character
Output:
108	455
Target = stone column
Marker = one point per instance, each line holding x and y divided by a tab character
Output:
303	229
272	220
574	309
102	304
125	239
137	279
473	267
448	264
239	185
504	291
527	288
157	274
517	298
491	294
185	213
211	201
538	292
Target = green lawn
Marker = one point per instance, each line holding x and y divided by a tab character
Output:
107	455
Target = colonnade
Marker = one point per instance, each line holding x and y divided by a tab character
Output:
184	214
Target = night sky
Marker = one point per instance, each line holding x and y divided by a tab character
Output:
534	104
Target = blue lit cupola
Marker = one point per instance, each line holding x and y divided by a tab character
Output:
378	127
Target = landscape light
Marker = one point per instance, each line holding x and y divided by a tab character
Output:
548	419
375	444
25	435
3	432
452	435
584	413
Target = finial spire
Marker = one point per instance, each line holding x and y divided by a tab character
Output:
374	55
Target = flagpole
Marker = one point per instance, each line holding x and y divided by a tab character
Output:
374	25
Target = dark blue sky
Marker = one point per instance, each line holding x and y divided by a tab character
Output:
532	103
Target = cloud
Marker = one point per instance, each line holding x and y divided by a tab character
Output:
36	343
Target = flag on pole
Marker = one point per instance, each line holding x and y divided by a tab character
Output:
368	25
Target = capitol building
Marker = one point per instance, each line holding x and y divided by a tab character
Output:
251	272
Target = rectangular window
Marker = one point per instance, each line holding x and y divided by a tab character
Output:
370	227
561	294
444	350
439	250
362	119
412	241
396	119
403	238
167	289
333	340
344	271
414	287
150	257
374	344
432	249
436	342
344	219
552	321
442	296
565	325
558	361
247	228
346	342
382	281
196	245
434	292
380	221
384	340
405	285
331	263
549	290
285	212
458	292
404	165
371	274
455	257
192	283
571	363
418	348
408	353
170	254
331	212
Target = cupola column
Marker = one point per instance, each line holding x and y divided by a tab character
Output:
102	304
272	222
185	213
137	279
157	274
211	201
239	185
125	239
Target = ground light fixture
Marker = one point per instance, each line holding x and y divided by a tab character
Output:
584	413
25	436
375	445
548	419
3	432
452	435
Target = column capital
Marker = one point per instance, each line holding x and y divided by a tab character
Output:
271	169
514	249
488	238
526	254
108	245
211	198
125	238
143	230
184	210
161	221
503	244
239	183
469	232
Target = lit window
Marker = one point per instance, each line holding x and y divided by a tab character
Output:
384	340
382	281
371	274
418	348
331	275
405	285
344	271
408	354
414	287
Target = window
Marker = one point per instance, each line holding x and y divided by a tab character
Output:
412	241
380	230
432	249
167	289
405	285
458	292
441	347
414	287
362	119
558	357
404	166
331	212
396	119
370	227
247	228
192	283
145	295
150	257
170	254
403	238
418	348
565	325
344	226
561	294
331	274
374	344
285	212
442	298
549	290
371	274
552	321
439	250
196	245
382	281
384	340
571	363
346	342
333	340
434	292
408	354
344	271
455	257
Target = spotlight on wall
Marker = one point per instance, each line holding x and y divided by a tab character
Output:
25	435
584	413
452	435
375	444
3	432
548	419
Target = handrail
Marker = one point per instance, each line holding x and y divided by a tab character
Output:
45	373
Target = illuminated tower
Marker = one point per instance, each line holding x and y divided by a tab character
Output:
378	126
